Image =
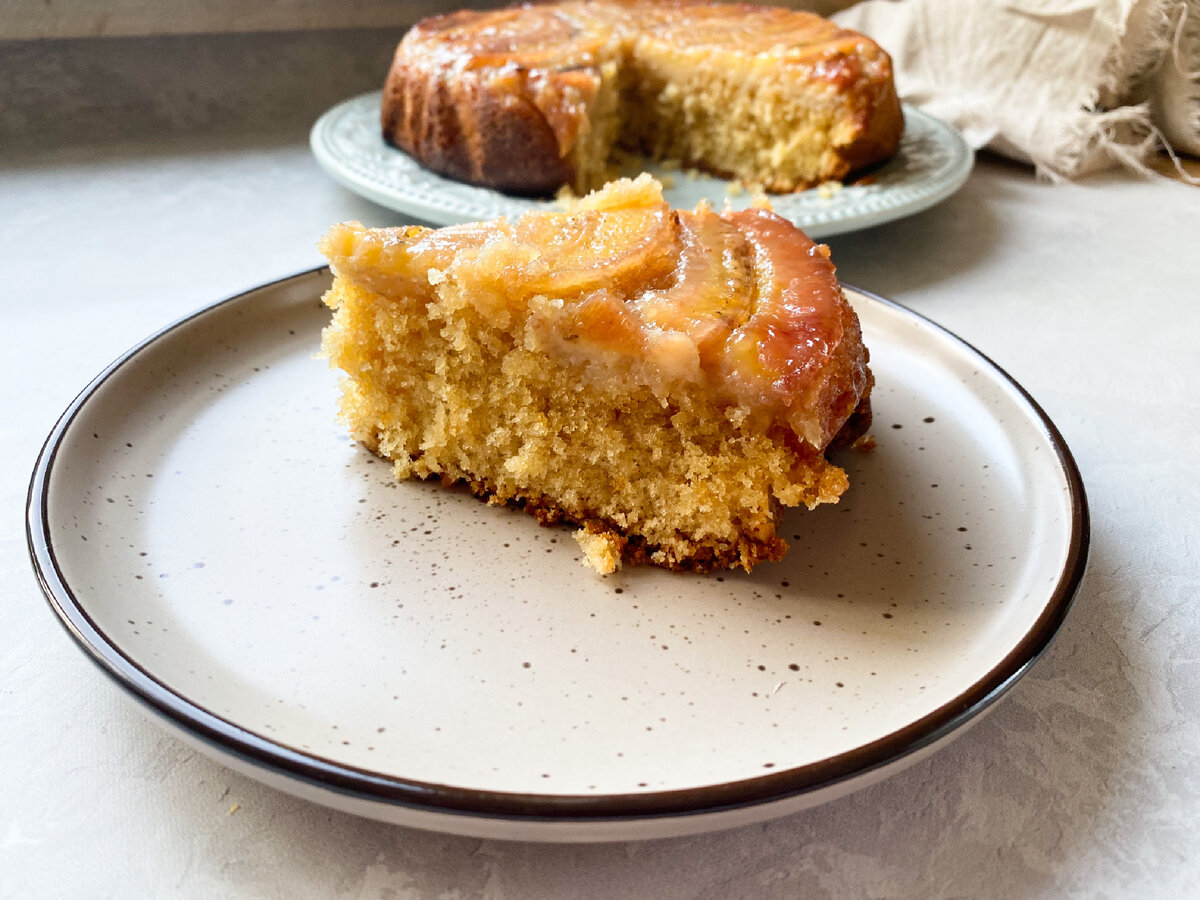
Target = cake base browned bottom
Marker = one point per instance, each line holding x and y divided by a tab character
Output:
746	552
634	549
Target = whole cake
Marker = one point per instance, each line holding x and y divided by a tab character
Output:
667	380
531	98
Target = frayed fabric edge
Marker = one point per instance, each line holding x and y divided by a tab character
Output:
1175	85
1095	141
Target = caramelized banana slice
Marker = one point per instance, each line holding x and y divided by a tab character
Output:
589	250
711	291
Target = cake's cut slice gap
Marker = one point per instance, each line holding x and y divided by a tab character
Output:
667	380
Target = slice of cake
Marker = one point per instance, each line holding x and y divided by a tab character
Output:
530	98
667	380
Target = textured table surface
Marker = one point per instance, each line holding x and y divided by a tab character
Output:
186	188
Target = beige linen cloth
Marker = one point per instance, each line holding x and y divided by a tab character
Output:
1069	86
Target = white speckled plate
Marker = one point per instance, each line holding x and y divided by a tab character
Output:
210	537
932	163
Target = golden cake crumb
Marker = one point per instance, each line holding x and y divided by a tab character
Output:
601	550
829	189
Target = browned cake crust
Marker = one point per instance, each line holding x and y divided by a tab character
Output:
530	98
475	120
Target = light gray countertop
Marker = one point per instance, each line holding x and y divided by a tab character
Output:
1084	781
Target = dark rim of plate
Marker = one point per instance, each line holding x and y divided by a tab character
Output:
229	738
